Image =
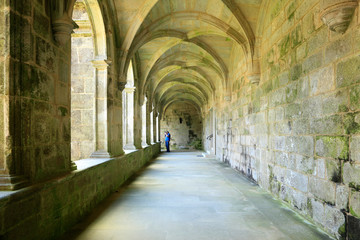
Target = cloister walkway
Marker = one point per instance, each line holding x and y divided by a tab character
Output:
182	195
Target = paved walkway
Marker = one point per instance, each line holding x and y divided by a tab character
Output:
183	196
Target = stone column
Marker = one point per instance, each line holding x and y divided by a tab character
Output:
129	120
137	121
143	124
101	129
148	123
155	126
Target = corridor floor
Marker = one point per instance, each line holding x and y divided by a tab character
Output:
182	196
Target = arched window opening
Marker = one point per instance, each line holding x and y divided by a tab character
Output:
88	83
83	84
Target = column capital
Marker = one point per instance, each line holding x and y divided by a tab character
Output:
130	89
100	64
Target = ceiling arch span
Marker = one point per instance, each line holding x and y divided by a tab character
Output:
140	41
180	65
193	59
185	77
179	93
169	86
170	52
168	105
195	16
181	97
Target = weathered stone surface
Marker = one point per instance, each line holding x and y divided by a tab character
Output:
342	196
351	174
334	147
355	203
348	72
322	189
322	81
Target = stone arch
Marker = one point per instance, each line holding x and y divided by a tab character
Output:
92	113
184	37
204	17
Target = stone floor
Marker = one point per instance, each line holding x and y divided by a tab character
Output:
184	196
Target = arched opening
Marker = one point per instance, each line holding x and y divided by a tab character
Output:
83	83
184	123
88	83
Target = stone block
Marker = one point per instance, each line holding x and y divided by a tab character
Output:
351	174
334	147
322	81
355	149
301	126
82	101
320	168
296	72
293	111
303	145
355	98
312	107
317	41
334	219
317	211
348	72
338	49
297	180
342	196
355	203
45	55
305	165
41	24
312	62
335	103
327	125
352	123
322	189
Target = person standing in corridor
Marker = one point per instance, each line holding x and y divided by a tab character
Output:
167	140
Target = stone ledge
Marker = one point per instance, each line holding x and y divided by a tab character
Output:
69	197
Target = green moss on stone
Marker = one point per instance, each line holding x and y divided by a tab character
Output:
351	126
354	186
296	36
342	231
295	72
63	111
284	45
352	212
348	72
355	98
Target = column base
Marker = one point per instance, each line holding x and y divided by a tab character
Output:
11	183
100	154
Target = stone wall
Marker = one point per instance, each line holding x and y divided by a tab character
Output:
47	210
184	123
297	133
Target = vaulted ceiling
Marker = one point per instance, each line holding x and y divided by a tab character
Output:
186	50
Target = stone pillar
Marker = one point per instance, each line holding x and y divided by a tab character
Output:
156	126
129	119
137	121
101	128
148	123
143	124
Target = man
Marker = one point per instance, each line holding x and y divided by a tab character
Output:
167	140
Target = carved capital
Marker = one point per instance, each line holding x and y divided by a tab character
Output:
129	89
62	29
337	14
100	64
